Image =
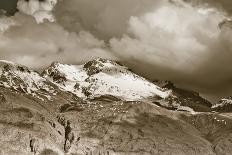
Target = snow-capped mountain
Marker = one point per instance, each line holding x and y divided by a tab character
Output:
23	79
224	105
102	77
98	78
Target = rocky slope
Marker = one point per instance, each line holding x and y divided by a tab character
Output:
136	128
123	121
23	119
29	108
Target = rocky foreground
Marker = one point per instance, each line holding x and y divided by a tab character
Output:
39	117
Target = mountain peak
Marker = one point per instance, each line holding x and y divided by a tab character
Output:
102	77
101	62
6	62
98	65
164	84
7	66
55	63
25	80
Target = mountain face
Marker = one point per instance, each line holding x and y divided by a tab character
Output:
181	99
22	79
102	108
224	105
102	77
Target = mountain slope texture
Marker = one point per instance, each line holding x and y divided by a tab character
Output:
103	108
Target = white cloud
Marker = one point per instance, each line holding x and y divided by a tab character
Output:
37	45
41	10
176	37
6	23
182	44
174	41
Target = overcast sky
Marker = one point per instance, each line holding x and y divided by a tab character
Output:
178	40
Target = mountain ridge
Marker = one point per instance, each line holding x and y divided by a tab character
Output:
96	78
21	78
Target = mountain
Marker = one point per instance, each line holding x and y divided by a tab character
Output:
64	111
23	79
182	99
224	105
29	107
102	77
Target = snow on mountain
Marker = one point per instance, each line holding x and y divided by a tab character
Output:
224	105
21	78
102	77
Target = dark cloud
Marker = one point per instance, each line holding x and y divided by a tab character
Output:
104	18
10	6
222	5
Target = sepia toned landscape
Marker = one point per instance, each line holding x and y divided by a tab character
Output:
115	77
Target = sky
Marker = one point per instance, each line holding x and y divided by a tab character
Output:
186	41
9	5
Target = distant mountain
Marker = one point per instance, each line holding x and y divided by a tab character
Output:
102	77
182	99
224	105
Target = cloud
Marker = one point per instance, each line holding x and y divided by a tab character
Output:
181	43
41	10
222	5
181	39
104	18
6	23
171	36
37	45
167	39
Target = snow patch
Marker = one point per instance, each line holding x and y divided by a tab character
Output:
223	102
103	77
21	78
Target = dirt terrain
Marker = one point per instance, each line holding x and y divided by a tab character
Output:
106	126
